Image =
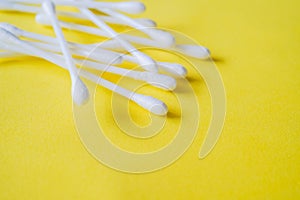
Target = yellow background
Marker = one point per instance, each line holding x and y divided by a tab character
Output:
255	45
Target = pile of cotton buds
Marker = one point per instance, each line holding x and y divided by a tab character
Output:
116	49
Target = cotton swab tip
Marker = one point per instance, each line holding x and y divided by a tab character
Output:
151	104
42	19
146	22
174	68
194	51
164	38
131	7
159	80
80	92
146	62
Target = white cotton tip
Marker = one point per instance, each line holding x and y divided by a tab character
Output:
131	7
49	7
102	56
42	19
151	104
80	92
173	68
158	80
164	38
111	44
146	22
194	51
147	63
14	30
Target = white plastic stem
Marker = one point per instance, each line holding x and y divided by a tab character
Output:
147	102
111	57
49	9
157	80
51	43
100	55
128	7
107	56
19	32
145	61
79	90
96	31
18	7
34	36
173	68
165	39
36	9
194	51
109	19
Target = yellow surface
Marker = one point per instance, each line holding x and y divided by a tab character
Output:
255	45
